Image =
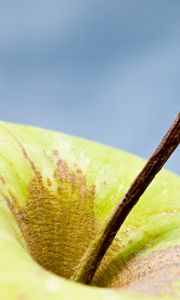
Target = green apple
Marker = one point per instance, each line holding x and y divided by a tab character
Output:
56	193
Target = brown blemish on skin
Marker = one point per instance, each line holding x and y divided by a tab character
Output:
2	180
151	275
55	153
22	297
57	225
154	275
49	183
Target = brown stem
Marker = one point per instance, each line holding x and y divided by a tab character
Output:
96	251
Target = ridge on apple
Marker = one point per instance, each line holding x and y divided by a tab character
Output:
56	193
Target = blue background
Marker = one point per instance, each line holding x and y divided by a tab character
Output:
104	70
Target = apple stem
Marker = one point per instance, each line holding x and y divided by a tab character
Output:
92	258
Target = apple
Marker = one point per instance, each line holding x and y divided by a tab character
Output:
56	193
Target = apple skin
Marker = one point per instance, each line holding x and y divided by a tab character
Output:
151	232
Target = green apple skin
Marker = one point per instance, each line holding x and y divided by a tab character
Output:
152	227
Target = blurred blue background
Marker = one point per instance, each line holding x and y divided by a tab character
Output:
104	70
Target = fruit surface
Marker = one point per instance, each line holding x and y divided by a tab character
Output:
56	192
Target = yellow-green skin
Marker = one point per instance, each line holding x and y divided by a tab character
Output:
152	226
